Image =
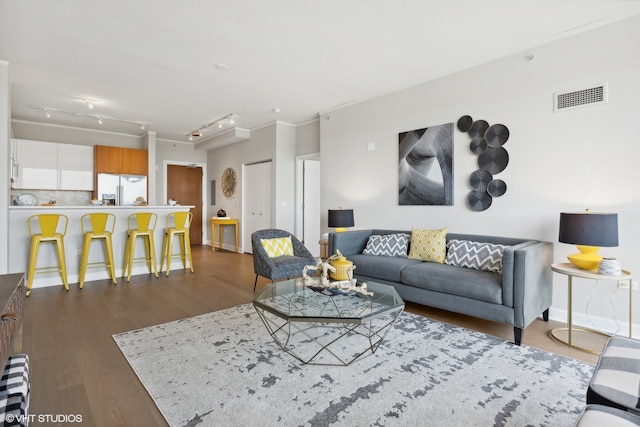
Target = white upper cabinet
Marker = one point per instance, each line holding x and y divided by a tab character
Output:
75	167
41	165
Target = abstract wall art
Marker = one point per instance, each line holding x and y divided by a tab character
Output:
487	143
426	166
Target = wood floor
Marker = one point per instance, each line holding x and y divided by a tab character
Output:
77	369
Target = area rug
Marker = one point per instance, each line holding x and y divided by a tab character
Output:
223	369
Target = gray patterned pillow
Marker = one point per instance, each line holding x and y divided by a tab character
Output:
387	244
476	255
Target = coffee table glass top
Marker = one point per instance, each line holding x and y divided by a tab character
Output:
294	301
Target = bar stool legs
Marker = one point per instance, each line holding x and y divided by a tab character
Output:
143	225
97	226
48	226
181	222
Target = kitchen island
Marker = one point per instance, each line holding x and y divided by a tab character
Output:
20	242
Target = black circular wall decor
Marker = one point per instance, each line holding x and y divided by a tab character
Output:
479	200
478	129
496	135
465	123
478	146
496	188
479	180
493	160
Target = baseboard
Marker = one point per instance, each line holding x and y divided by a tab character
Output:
603	324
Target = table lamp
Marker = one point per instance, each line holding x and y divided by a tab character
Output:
588	231
339	219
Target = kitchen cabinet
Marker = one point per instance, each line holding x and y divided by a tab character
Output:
39	165
120	160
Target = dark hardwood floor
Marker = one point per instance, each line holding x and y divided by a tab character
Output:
77	369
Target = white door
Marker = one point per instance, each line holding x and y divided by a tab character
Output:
257	200
311	207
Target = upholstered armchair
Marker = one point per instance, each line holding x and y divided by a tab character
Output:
278	267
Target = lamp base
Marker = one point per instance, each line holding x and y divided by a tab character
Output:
340	230
587	259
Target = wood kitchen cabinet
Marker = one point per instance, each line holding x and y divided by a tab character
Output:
120	160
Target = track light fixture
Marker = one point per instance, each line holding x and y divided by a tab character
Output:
220	122
90	102
99	119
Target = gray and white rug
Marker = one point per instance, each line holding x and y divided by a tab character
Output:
223	369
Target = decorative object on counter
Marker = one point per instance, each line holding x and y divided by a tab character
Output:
50	203
221	213
229	182
340	219
486	142
609	267
96	202
27	199
171	202
139	201
588	231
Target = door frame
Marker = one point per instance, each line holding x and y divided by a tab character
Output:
165	166
299	193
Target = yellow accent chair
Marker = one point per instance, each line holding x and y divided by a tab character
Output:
52	228
97	226
178	224
140	224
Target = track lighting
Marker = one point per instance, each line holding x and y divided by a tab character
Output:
99	119
47	113
219	122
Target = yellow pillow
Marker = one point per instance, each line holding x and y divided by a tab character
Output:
280	246
429	245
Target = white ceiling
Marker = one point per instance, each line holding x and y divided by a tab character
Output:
154	61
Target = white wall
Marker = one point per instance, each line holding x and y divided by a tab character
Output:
566	161
5	137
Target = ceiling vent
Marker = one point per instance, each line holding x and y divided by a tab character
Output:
591	95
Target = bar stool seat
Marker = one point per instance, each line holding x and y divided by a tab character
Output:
97	226
181	222
48	226
140	224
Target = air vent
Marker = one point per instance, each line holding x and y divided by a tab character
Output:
592	95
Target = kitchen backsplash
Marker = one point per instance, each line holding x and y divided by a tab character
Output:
62	198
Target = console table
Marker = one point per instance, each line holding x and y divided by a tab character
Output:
220	223
572	271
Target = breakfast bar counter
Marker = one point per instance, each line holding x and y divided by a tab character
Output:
19	242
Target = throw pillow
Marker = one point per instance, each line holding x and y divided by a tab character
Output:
387	244
279	246
476	255
429	245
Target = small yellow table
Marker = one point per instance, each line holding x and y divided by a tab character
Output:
220	223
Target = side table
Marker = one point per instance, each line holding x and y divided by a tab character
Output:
572	271
324	248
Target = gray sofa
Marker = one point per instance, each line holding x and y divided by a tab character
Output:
516	297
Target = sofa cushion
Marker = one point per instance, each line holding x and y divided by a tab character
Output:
380	267
476	255
388	245
278	246
465	282
429	245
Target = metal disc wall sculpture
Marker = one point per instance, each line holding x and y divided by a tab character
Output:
487	143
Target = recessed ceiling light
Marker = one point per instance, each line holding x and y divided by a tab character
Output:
276	110
221	67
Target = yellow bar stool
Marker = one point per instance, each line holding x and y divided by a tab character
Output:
178	224
140	224
97	226
48	226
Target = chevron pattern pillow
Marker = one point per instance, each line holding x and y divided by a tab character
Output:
387	244
476	255
279	246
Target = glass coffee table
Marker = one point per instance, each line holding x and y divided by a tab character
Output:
327	327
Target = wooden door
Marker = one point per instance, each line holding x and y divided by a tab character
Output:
257	201
184	184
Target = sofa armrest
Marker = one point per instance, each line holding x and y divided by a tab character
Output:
529	275
349	242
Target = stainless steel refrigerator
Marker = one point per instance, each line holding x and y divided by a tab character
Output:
121	190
